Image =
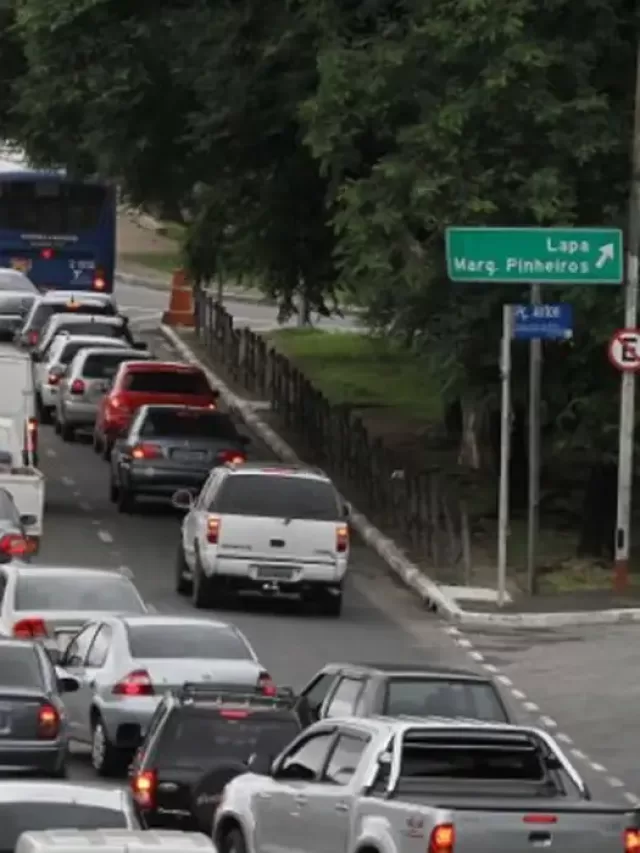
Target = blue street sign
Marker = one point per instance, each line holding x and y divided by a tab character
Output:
552	322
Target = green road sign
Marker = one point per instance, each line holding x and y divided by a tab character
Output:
539	255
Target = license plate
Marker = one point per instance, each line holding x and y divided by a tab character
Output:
189	455
275	573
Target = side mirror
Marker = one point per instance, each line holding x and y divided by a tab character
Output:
182	499
346	509
260	764
28	520
68	684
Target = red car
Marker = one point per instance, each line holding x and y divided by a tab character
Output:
141	383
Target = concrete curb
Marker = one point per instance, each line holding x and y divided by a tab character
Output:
428	591
411	576
159	284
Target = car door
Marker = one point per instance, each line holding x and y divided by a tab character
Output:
312	697
283	810
94	662
344	699
194	522
73	660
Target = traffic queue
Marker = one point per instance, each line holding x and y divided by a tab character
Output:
366	758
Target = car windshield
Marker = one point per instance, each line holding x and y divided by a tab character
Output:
274	496
167	382
443	697
19	817
15	304
105	365
189	423
19	667
192	738
182	640
52	590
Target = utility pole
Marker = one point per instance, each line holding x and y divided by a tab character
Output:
535	382
628	389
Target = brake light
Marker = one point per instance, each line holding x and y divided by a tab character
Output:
213	529
146	451
442	838
117	403
77	386
143	788
631	840
54	378
540	818
234	715
48	722
99	282
46	254
26	629
231	457
14	545
33	338
137	683
342	538
266	685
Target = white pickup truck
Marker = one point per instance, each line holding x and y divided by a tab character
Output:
19	472
383	785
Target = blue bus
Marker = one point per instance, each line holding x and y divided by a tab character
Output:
61	233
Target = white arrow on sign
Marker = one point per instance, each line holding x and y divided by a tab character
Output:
606	254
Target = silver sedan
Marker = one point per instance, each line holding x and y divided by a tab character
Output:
126	664
51	604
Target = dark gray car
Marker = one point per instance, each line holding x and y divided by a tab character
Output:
170	448
34	734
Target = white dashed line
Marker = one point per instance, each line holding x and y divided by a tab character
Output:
578	753
597	767
85	506
476	656
50	452
96	522
548	722
504	679
68	481
464	643
531	707
105	536
77	493
518	694
490	667
631	798
563	738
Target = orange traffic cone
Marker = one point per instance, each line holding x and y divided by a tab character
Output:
181	310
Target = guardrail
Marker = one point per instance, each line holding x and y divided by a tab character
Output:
420	510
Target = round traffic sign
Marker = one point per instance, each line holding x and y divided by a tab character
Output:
624	350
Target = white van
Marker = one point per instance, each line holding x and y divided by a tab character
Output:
113	841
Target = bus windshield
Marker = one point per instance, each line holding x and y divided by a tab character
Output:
50	207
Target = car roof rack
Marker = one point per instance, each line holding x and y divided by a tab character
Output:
234	694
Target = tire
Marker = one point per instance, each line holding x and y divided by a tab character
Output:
126	500
184	586
328	605
96	443
57	426
106	760
106	450
114	491
44	412
67	432
202	588
232	841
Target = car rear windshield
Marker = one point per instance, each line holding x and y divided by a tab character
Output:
470	758
42	591
19	667
102	330
14	304
273	496
105	365
45	311
194	737
167	382
440	697
189	423
19	817
169	641
71	350
13	280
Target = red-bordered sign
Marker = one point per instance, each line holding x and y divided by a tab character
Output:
624	350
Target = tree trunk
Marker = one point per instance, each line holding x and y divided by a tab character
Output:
599	513
475	442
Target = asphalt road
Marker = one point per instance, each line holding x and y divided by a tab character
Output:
585	680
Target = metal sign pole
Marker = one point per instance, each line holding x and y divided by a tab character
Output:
505	451
628	390
535	381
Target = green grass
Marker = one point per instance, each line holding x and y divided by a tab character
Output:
361	371
165	262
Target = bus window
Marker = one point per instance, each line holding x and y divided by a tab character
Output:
50	207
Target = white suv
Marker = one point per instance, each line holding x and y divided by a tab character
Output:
268	528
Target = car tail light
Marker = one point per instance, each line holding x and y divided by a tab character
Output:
137	683
32	435
213	529
342	538
266	685
233	714
442	838
48	722
46	254
146	451
14	545
540	818
99	281
77	386
26	629
33	338
231	457
631	840
143	788
54	378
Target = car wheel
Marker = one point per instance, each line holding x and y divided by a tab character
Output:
126	500
44	413
67	432
233	842
57	426
114	491
106	449
96	443
183	585
106	760
201	590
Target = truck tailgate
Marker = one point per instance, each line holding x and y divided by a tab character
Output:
28	491
581	827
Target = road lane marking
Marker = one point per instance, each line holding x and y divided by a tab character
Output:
85	506
68	481
105	536
50	452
